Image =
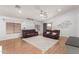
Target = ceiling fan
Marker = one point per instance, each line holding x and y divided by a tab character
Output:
43	14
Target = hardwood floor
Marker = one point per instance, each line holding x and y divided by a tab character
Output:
59	48
18	46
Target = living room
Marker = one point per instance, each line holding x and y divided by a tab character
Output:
38	26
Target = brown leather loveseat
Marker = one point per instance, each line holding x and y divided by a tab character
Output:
54	34
29	33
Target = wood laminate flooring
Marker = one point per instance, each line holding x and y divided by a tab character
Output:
18	46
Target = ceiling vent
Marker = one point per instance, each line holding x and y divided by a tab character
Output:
18	6
29	18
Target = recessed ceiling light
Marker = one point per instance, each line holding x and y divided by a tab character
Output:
18	8
19	11
59	10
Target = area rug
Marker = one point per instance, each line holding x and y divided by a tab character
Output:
41	42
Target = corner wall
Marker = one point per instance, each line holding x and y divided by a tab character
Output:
28	24
70	30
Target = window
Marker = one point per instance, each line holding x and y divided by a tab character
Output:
13	28
17	28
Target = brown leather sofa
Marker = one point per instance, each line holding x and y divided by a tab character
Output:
29	33
54	34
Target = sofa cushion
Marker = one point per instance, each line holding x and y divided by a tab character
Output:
28	34
47	32
53	33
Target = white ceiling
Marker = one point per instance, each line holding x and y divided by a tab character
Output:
33	11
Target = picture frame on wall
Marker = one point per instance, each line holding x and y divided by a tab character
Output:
49	26
37	27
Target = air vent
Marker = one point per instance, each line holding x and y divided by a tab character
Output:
17	6
29	18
